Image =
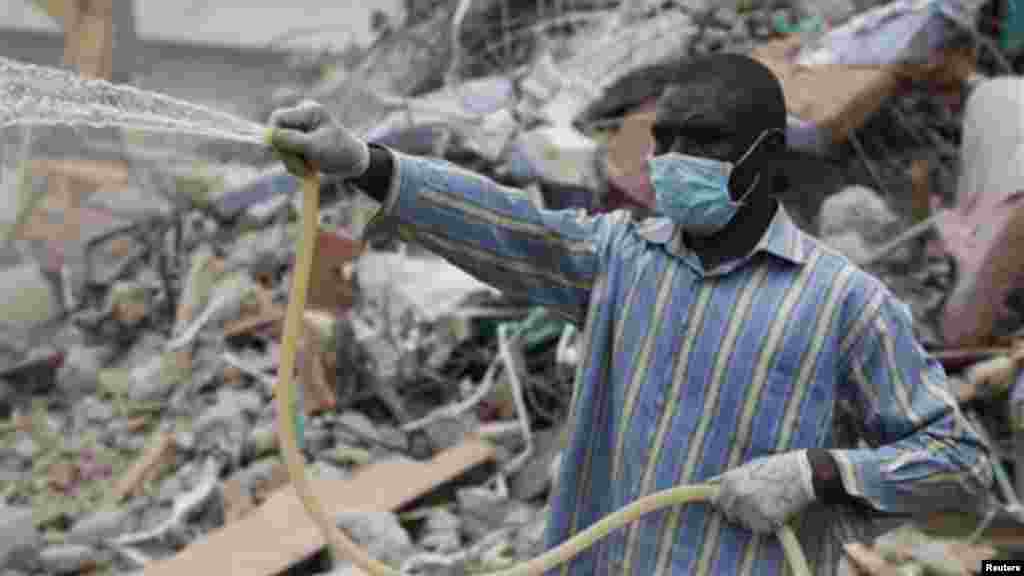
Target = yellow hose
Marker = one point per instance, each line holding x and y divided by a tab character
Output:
342	546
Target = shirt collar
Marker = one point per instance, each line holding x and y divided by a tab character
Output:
782	238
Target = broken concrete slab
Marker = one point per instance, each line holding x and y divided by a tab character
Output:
850	244
559	155
441	532
65	559
483	511
450	431
101	525
380	533
429	285
79	374
533	479
261	189
18	534
27	297
857	209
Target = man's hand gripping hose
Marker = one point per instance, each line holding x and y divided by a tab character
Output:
341	545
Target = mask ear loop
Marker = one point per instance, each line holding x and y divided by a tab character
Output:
743	199
756	142
750	149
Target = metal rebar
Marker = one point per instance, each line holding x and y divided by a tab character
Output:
868	164
908	235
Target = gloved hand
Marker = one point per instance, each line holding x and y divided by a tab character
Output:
307	136
766	492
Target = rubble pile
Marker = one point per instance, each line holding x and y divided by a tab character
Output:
137	367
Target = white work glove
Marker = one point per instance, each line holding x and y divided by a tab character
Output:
765	493
306	136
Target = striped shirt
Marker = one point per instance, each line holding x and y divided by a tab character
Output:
688	373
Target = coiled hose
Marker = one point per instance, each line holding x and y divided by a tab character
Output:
342	546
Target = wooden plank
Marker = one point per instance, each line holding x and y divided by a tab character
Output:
88	37
921	191
1002	532
330	290
838	99
268	319
61	216
319	397
95	172
279	533
868	561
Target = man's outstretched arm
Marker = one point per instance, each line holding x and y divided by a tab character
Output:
492	232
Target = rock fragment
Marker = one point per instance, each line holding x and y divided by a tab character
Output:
19	540
857	209
380	532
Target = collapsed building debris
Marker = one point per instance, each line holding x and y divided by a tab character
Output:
136	385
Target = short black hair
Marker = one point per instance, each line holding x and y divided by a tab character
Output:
752	87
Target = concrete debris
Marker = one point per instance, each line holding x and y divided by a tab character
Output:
152	380
65	559
447	432
28	297
906	549
380	532
534	478
18	537
102	525
857	209
79	373
850	244
556	155
441	532
137	385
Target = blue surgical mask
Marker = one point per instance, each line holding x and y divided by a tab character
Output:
694	192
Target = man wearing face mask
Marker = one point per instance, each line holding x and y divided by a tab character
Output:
720	344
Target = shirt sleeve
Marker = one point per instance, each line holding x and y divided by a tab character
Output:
497	234
923	455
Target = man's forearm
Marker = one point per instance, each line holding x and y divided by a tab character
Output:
376	181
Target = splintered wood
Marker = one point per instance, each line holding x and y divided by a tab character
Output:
278	534
330	288
160	453
88	29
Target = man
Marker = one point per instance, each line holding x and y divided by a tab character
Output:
721	343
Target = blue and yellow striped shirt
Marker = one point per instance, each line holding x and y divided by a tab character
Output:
688	373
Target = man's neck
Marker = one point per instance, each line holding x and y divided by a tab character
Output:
740	236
